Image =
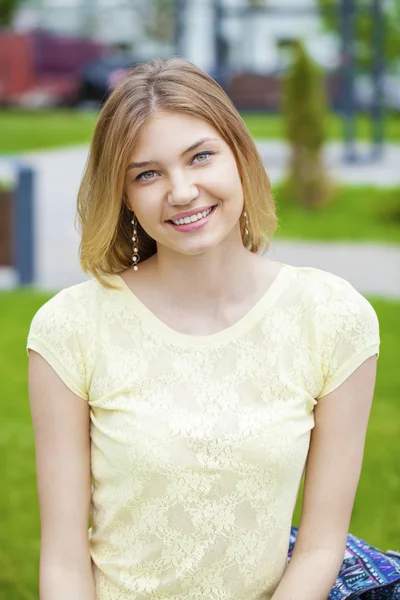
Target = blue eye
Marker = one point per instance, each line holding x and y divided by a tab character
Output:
200	154
142	176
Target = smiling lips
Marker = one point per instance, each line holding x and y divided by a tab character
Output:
198	222
190	213
193	217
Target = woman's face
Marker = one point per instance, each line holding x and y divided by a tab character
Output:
182	164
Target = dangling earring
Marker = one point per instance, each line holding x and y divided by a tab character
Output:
246	227
135	256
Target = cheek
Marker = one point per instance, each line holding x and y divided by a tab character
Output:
142	199
225	180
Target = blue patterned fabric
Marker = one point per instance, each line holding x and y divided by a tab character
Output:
366	572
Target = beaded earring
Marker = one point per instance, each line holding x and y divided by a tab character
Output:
135	256
246	227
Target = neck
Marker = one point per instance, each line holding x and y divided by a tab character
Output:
210	280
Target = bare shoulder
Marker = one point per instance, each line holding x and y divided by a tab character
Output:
273	267
266	270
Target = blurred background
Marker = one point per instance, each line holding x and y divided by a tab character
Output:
318	85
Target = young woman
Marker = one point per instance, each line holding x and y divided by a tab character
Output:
178	396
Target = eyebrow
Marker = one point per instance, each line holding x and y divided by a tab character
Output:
146	163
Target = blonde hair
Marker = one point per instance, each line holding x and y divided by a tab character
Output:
174	85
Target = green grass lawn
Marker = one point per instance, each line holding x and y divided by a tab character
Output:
271	126
23	131
376	514
356	214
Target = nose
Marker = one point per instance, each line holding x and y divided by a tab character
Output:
182	190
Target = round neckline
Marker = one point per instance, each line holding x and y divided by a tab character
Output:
219	337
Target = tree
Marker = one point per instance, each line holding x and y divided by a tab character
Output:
364	28
161	24
304	109
7	10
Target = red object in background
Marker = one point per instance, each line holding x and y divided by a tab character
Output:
253	91
16	73
44	64
264	92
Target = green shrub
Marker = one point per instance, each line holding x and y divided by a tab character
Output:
389	210
357	213
305	112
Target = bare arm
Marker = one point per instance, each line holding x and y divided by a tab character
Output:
62	439
332	474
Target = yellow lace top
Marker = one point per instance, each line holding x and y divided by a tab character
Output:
198	443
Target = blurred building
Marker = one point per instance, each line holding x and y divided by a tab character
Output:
160	28
254	38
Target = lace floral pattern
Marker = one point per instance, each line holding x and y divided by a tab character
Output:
198	443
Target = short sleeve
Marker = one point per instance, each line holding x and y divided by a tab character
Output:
349	332
61	333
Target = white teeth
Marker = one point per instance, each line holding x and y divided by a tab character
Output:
193	218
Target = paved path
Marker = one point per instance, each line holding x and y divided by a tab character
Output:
373	269
275	154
